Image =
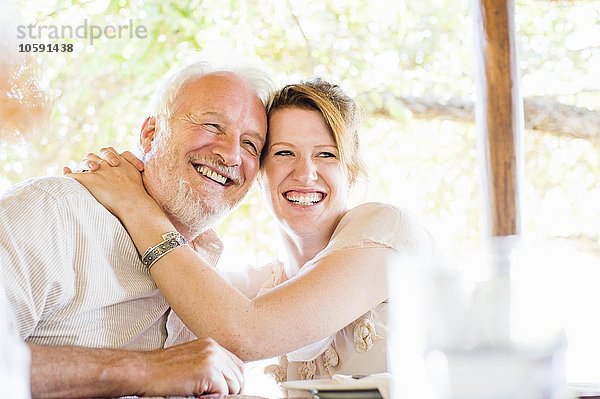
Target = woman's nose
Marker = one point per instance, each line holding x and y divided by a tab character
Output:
305	170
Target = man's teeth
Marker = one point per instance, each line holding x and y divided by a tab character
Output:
203	170
304	199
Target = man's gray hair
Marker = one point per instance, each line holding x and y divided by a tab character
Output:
165	97
164	100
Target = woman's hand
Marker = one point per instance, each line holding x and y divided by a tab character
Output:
117	183
92	161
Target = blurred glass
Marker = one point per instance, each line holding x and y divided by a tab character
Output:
14	356
488	326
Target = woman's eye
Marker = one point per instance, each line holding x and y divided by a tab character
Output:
283	153
326	154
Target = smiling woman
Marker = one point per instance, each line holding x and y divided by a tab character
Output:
306	182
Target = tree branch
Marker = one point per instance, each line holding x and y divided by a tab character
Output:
299	25
540	114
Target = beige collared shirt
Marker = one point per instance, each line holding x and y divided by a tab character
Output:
73	276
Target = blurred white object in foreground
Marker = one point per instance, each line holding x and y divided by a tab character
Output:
14	357
491	327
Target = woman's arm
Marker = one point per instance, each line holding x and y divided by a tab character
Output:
315	304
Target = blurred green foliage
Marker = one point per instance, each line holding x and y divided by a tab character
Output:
376	50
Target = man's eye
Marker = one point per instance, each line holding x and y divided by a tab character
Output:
283	153
213	127
251	147
326	154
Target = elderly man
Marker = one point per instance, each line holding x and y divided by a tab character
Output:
82	298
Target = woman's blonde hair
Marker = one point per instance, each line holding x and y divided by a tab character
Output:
341	113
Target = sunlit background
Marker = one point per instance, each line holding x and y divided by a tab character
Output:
409	63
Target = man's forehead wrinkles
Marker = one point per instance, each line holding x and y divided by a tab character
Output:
233	107
200	113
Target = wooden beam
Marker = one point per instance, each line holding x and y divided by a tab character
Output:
498	116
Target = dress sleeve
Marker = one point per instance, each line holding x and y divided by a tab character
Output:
253	281
374	225
33	252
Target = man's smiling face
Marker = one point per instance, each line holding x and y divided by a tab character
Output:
209	158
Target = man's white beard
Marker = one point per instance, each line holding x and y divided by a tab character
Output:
197	210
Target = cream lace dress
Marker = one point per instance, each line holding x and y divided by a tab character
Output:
360	347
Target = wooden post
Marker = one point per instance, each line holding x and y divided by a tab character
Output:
499	116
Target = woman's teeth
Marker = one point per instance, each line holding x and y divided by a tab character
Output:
212	175
304	199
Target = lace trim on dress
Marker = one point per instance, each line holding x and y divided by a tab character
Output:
364	334
330	359
307	370
274	279
278	372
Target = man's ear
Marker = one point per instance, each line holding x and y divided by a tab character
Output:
147	133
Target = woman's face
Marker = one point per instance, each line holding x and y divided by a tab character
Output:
303	178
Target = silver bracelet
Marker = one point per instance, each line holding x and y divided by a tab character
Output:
171	240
